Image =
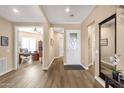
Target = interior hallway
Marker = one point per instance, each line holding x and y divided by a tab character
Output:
32	76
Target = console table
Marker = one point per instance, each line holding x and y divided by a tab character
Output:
35	56
110	81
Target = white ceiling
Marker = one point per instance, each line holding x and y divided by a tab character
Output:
27	13
59	30
56	13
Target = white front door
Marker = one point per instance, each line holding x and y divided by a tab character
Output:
73	47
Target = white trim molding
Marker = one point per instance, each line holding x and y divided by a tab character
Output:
7	71
71	64
85	67
102	82
47	68
90	64
107	62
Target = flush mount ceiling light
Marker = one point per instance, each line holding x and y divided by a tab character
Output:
67	9
15	10
71	15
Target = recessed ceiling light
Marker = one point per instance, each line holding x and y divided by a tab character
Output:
67	9
15	10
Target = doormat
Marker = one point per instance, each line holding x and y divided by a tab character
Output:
73	67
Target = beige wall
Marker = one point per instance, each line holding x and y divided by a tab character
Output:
7	29
54	49
46	62
91	43
51	45
46	27
57	37
120	37
97	15
36	36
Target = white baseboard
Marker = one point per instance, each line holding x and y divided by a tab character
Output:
58	57
102	82
90	64
46	68
7	71
86	68
71	64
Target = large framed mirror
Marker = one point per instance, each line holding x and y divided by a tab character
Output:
107	45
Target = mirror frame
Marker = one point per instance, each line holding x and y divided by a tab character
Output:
102	75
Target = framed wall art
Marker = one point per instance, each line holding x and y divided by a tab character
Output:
4	41
104	42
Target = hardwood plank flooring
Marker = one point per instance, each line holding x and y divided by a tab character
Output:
32	76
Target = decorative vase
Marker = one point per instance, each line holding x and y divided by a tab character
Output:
115	75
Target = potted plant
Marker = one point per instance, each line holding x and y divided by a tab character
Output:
115	74
115	60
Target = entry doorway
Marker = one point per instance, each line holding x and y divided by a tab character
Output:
73	47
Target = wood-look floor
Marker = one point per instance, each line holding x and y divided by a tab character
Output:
32	76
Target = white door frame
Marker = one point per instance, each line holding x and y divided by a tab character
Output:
16	41
16	55
73	31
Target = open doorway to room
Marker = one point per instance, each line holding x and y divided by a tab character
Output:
59	42
29	45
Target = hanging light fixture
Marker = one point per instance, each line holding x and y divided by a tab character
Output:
35	30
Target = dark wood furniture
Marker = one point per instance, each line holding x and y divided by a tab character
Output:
115	84
40	47
35	56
